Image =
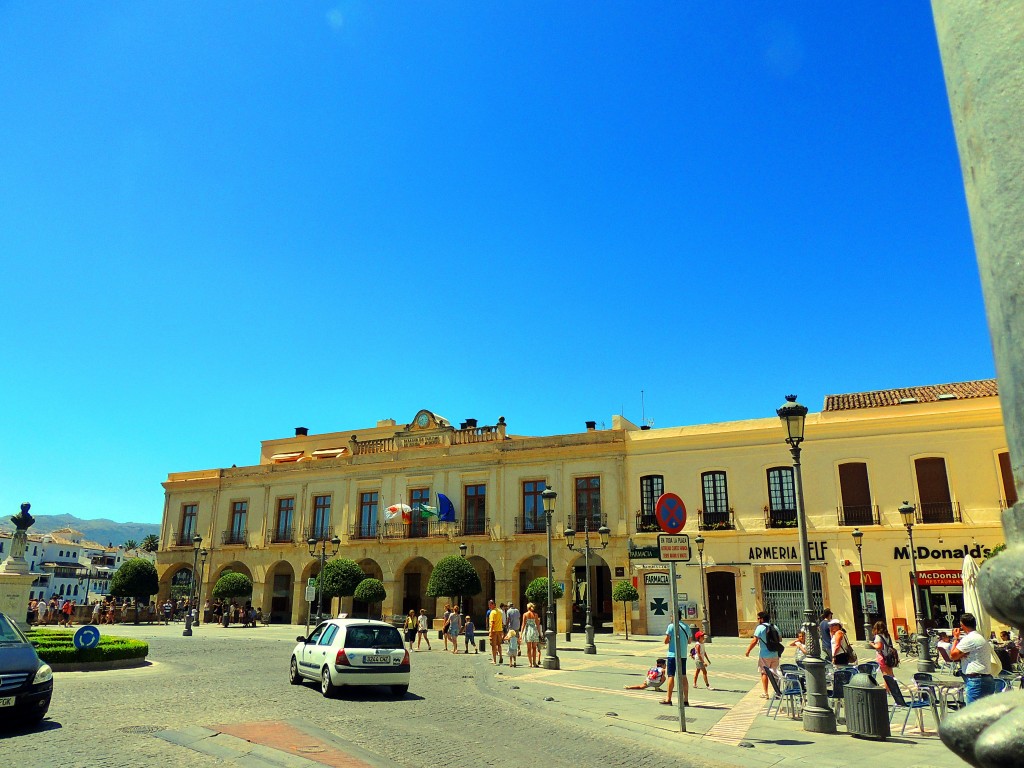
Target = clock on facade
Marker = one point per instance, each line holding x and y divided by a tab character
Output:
422	420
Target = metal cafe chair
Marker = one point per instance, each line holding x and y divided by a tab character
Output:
918	700
789	690
840	678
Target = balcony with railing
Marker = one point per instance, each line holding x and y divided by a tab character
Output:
318	532
861	514
596	519
527	525
368	530
283	535
417	529
234	537
779	518
646	523
716	520
183	539
939	512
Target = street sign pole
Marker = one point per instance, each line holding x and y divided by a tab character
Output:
680	651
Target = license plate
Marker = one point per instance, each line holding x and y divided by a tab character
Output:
7	701
376	659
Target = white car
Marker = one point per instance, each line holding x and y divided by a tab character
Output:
352	652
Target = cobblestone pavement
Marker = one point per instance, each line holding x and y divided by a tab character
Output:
460	708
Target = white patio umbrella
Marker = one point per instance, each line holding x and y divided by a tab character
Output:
972	599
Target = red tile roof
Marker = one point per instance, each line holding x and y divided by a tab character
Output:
963	390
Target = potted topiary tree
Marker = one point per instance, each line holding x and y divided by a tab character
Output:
340	578
370	591
454	577
624	592
232	585
137	579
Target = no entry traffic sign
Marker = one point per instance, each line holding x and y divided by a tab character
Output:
671	513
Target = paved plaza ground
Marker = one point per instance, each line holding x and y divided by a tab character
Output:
222	697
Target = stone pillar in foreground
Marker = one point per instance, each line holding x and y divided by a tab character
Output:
982	46
15	577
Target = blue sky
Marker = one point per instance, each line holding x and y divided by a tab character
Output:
222	221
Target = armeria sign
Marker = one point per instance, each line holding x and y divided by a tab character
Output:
815	551
977	551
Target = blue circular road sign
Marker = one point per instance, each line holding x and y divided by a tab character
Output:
671	513
87	636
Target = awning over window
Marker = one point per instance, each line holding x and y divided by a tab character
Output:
282	458
329	453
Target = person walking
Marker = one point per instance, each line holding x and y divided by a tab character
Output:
514	618
410	628
422	627
700	659
444	625
470	632
767	659
825	634
496	632
884	651
454	627
674	658
531	634
512	638
842	653
974	652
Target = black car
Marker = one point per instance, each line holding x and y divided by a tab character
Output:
26	683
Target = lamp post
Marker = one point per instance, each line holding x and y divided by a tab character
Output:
858	539
462	554
818	716
90	574
550	660
312	543
197	543
704	626
924	657
585	550
203	553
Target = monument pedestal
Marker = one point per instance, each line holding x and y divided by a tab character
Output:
14	591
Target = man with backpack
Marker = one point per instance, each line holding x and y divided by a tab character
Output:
766	637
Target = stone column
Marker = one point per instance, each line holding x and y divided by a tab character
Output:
982	47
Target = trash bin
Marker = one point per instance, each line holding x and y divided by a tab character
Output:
867	708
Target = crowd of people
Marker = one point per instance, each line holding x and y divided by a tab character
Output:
60	611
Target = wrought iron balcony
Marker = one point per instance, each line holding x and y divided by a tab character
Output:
417	529
716	520
597	519
364	531
531	525
234	537
865	514
939	512
318	532
646	523
779	518
281	536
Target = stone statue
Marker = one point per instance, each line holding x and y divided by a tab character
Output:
19	542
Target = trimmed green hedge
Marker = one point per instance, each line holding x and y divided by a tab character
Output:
58	648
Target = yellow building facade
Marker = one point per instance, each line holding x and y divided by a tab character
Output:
942	448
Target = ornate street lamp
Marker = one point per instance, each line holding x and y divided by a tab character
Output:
87	577
704	626
585	550
203	554
312	543
924	656
818	716
462	554
197	543
858	539
550	660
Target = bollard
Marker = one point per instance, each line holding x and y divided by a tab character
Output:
187	632
483	644
568	637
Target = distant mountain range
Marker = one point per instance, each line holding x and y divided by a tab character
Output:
101	531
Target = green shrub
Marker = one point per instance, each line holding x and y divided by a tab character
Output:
58	648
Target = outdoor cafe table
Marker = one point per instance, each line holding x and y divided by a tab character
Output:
942	687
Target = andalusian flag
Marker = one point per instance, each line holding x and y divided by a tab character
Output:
427	512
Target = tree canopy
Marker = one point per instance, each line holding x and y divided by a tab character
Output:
232	585
340	578
370	591
151	543
537	591
137	579
624	592
453	576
